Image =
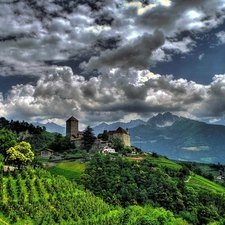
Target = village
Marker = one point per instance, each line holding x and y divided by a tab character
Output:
99	145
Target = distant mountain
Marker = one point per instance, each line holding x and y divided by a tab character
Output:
52	127
181	138
163	120
104	126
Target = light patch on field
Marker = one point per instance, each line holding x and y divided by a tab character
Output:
198	148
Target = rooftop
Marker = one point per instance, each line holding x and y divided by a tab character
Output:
72	119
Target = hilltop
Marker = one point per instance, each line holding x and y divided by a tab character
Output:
176	137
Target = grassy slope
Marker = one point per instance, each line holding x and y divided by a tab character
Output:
162	161
196	181
199	182
71	170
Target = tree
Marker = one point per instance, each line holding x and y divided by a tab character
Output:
104	136
7	140
88	139
20	154
61	143
117	144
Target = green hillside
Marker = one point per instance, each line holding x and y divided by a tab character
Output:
201	183
147	190
36	197
157	181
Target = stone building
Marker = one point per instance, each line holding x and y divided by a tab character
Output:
72	128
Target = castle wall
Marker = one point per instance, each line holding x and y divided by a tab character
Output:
124	137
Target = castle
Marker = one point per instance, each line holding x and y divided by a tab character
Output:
72	131
121	134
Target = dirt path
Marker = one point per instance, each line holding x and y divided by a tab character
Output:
188	179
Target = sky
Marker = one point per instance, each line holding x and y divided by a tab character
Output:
109	61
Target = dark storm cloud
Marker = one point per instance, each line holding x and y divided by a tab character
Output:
135	54
89	90
132	92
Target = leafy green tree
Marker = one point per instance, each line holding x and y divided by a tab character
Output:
7	140
88	139
126	150
4	123
20	154
117	144
61	143
104	136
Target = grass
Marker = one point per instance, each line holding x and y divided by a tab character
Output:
200	182
162	161
71	170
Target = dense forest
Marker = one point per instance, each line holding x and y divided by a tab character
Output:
123	182
37	136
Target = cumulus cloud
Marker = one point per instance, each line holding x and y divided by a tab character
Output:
110	98
214	105
221	36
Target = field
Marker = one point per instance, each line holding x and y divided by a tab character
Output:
164	162
35	197
70	170
199	182
160	161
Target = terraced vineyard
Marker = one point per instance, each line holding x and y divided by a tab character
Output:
36	197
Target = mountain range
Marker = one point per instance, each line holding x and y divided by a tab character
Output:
181	138
176	137
104	126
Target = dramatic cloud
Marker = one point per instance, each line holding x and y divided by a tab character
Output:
135	54
95	60
214	105
112	97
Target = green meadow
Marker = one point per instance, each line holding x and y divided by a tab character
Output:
70	170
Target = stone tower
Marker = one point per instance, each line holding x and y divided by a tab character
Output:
72	127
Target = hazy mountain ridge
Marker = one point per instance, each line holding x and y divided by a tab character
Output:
163	120
52	127
185	139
